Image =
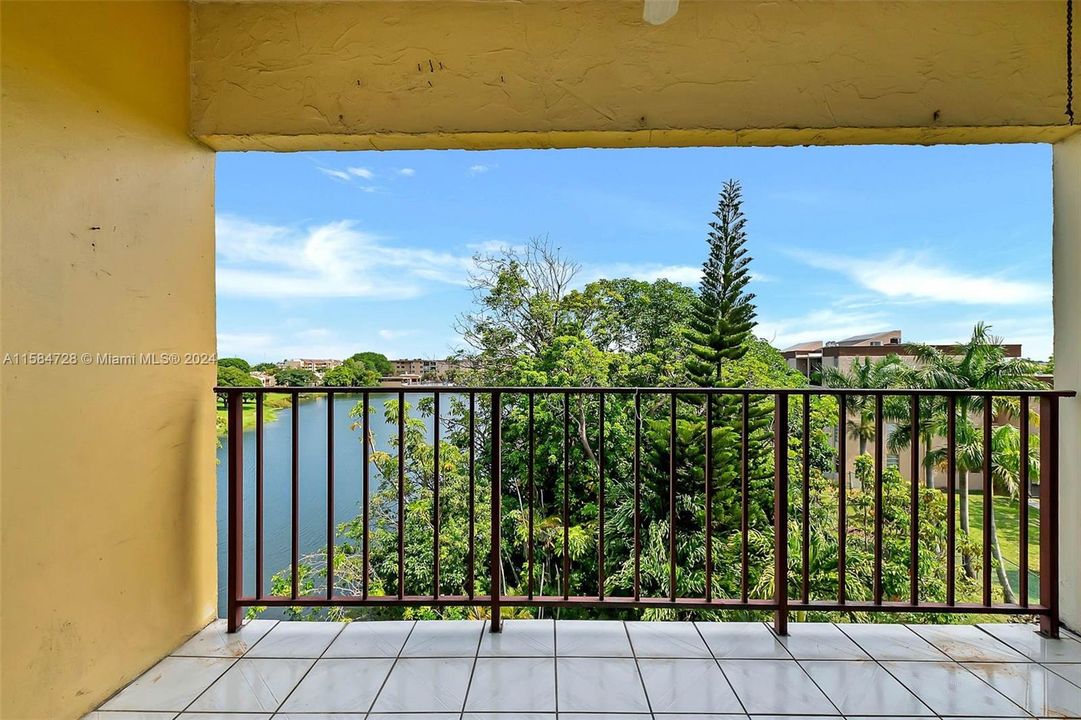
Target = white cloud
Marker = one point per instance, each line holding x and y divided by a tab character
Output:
321	343
478	169
336	174
407	172
825	325
350	174
1033	333
910	276
331	260
245	345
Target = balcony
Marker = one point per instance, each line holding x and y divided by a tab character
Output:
651	462
544	669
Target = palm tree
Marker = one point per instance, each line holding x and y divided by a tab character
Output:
1005	472
879	374
899	412
980	363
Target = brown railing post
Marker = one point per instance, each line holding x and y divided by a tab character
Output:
235	613
497	506
1049	621
780	513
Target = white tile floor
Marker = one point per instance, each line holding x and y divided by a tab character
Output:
594	670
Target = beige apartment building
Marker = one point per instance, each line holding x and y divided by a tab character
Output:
315	365
814	357
418	367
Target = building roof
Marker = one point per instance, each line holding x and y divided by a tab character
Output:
805	346
855	339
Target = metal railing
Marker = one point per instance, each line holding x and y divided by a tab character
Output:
488	407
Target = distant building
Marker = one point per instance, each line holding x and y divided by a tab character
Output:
419	367
410	371
265	379
317	366
812	358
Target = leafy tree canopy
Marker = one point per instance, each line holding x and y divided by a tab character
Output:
231	376
234	362
295	377
351	374
374	361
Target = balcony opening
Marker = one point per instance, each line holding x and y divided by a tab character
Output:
545	308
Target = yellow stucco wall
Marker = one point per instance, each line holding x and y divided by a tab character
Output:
106	245
388	75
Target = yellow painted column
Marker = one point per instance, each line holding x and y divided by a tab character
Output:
1066	274
107	499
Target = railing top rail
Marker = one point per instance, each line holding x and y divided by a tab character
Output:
440	389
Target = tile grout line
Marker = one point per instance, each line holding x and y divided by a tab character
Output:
1055	672
962	666
261	637
473	669
723	674
170	655
1016	649
996	690
393	664
293	689
314	663
808	675
638	669
555	663
885	669
207	688
819	687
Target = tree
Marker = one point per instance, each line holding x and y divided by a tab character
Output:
376	362
266	367
524	302
232	376
898	411
351	373
867	374
234	362
1005	470
295	377
979	363
717	340
724	312
637	317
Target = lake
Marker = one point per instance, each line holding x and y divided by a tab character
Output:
277	482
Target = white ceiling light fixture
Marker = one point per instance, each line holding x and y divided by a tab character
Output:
658	12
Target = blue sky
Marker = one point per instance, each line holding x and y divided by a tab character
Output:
327	254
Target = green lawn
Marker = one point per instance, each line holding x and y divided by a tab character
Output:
271	405
1007	521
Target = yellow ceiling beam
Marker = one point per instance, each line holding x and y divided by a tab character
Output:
492	74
